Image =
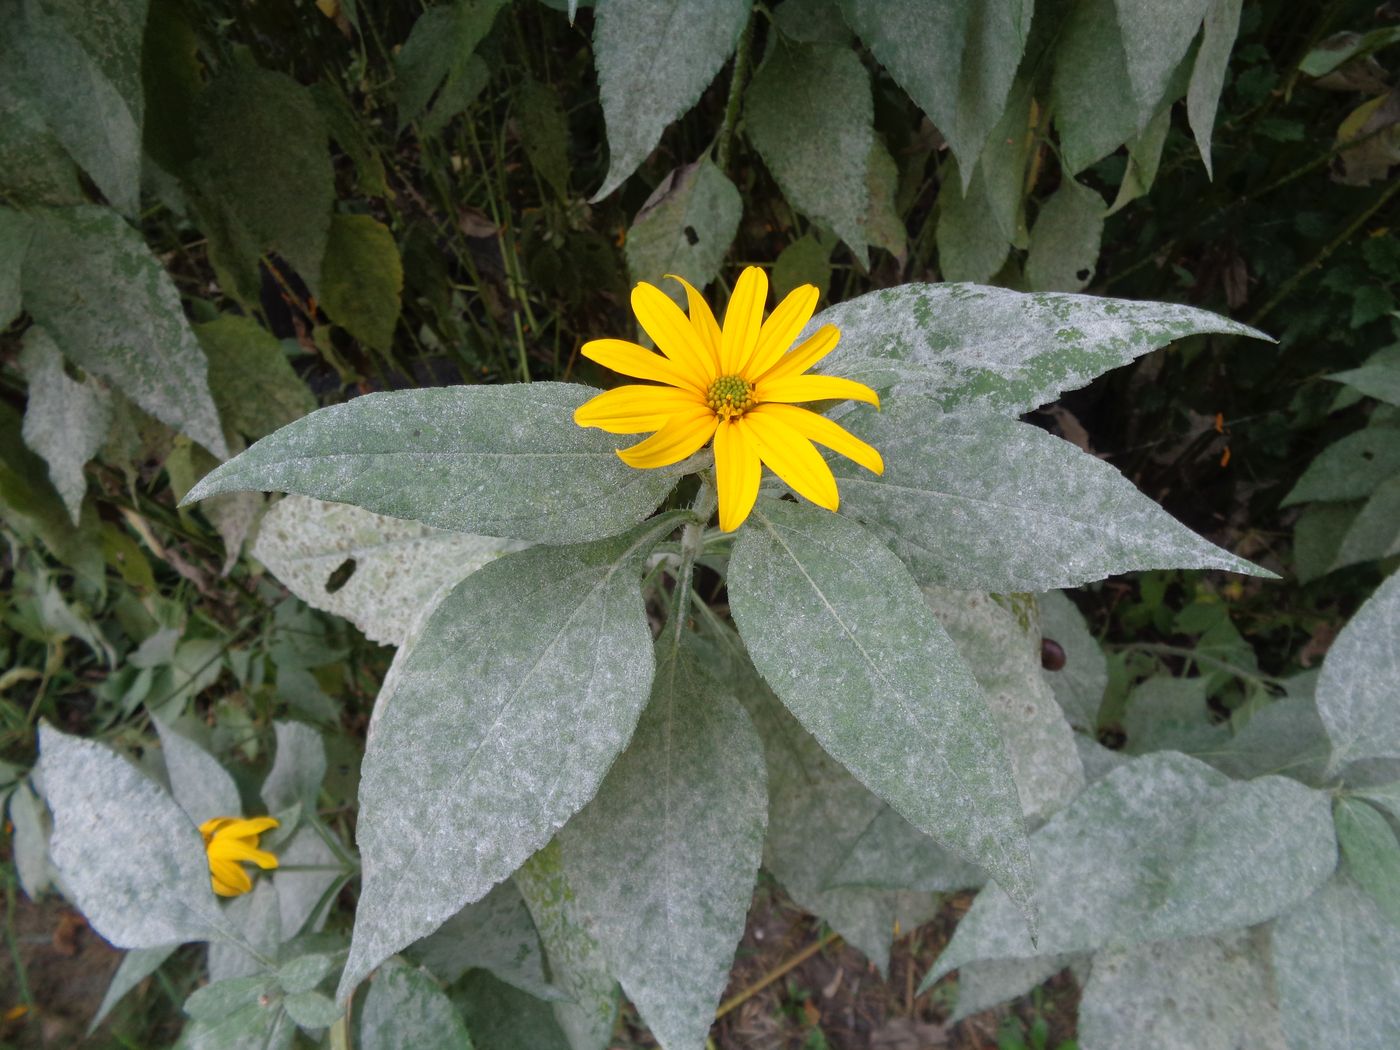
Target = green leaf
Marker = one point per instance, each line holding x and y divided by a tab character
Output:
654	58
883	226
312	1010
1334	966
1340	48
1091	94
971	247
264	171
1375	531
1222	24
1065	239
841	633
16	228
500	1017
1358	692
956	60
671	843
1387	796
1284	736
135	967
135	334
303	973
1163	847
1144	158
362	279
1378	376
1372	853
999	505
438	53
219	998
496	460
252	380
1079	685
467	773
685	228
129	856
233	514
255	917
544	132
34	166
1205	993
1156	38
1001	170
301	895
810	114
65	421
200	785
806	260
254	1026
173	77
405	1008
1350	468
29	842
981	349
1317	537
298	767
983	985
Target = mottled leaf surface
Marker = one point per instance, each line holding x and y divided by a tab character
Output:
841	633
983	985
404	1007
664	859
496	460
1358	692
685	228
301	895
256	918
524	685
253	383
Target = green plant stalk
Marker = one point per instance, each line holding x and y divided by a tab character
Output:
692	542
736	91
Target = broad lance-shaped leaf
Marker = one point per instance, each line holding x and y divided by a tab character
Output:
840	631
1337	967
134	334
1156	37
1358	692
1162	847
497	725
396	568
654	58
1372	853
685	228
1222	25
664	858
978	349
201	786
298	767
131	859
405	1008
993	504
495	460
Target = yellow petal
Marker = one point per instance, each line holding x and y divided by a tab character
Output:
228	879
742	319
684	433
240	850
242	829
737	472
783	326
212	825
702	319
814	388
794	459
637	362
824	432
634	409
813	349
672	333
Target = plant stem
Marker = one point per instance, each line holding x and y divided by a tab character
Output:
736	91
692	543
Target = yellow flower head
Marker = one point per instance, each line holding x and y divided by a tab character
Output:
739	384
229	841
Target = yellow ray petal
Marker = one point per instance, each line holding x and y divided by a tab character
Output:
228	879
637	362
742	319
210	826
242	829
813	349
702	319
824	432
783	326
684	433
240	850
796	389
672	333
737	472
634	409
794	459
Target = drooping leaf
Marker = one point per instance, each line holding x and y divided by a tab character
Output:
544	132
34	166
971	244
891	854
1091	93
1161	848
1079	685
467	773
974	348
128	854
135	334
995	504
231	513
438	55
1351	468
1358	692
496	460
200	785
1001	169
362	279
654	59
29	842
685	228
1065	239
1222	23
883	226
841	633
253	383
1156	38
671	843
810	114
405	1007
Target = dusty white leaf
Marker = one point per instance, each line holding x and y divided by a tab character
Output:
301	895
685	228
255	916
1222	23
201	786
1156	37
1065	239
1079	685
29	842
1358	692
298	767
983	985
405	1008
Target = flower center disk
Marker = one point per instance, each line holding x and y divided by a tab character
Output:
730	396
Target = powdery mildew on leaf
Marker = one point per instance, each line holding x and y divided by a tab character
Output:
256	917
134	334
986	503
128	854
981	349
970	247
1163	847
299	893
685	228
1351	468
1337	964
1065	239
664	859
1371	852
892	854
654	58
1155	38
1206	993
201	786
254	385
403	1008
1079	685
841	633
1358	692
1003	650
983	985
298	767
525	684
1090	92
399	566
1164	713
1286	737
494	460
1222	24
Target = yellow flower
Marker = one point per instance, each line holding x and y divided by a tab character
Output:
229	840
739	384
